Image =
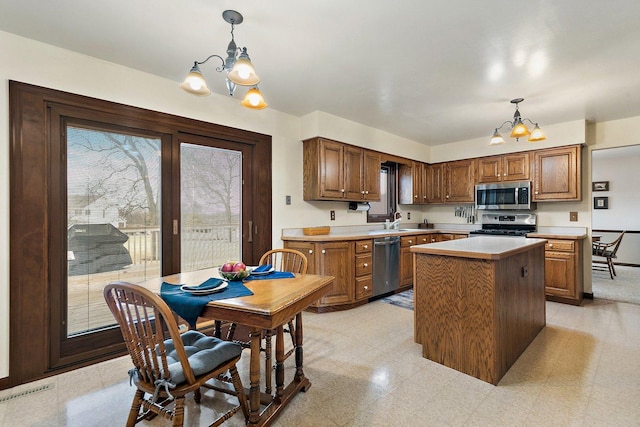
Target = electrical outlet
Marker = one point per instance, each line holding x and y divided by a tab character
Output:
287	200
408	215
333	215
573	216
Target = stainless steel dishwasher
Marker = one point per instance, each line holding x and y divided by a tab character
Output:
386	260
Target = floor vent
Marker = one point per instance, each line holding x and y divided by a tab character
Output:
25	393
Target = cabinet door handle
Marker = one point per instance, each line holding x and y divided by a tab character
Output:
365	246
366	288
365	265
323	251
410	241
550	245
536	192
415	197
366	192
342	190
310	251
362	192
250	239
447	196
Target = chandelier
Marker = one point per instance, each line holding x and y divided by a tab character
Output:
518	128
237	66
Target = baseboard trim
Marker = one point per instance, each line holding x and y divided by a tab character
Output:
4	383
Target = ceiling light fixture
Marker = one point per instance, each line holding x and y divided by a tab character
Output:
238	67
518	128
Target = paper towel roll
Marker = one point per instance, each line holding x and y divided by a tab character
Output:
354	206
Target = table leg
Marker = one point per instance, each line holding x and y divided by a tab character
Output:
279	363
254	377
299	356
268	368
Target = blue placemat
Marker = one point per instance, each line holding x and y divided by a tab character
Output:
189	306
272	275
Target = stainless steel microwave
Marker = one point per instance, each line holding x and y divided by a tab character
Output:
504	196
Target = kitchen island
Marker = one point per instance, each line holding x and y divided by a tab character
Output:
479	302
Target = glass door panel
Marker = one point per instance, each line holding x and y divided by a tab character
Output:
210	206
113	219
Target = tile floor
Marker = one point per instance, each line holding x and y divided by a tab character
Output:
583	369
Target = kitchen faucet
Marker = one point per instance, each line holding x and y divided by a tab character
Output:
393	225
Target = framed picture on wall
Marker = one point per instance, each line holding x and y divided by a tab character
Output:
600	186
600	203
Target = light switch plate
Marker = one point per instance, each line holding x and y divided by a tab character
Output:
333	215
573	216
287	200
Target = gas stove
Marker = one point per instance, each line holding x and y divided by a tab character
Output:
508	225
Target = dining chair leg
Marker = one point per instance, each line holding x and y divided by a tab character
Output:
135	408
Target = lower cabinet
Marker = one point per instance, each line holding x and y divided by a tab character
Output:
330	259
406	258
563	277
351	263
364	269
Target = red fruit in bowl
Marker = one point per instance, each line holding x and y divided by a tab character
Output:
239	266
227	267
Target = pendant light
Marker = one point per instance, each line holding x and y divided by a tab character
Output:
518	128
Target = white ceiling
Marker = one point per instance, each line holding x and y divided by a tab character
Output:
433	71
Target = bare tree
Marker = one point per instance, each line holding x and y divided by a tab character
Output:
214	175
116	167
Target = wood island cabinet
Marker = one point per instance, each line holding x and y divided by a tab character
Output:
336	171
557	174
459	181
563	278
509	167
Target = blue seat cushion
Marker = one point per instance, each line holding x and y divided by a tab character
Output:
204	353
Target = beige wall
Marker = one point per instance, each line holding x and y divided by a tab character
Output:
40	64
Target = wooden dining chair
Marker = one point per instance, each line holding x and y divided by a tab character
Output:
166	364
289	260
608	252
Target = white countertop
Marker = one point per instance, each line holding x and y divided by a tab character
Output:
482	247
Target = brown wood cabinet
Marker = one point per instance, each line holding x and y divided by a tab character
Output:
459	181
406	259
330	259
557	174
411	179
563	277
363	269
509	167
336	171
434	183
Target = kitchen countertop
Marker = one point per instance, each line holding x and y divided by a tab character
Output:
560	233
368	232
354	234
482	247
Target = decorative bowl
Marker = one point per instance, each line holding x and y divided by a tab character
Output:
234	275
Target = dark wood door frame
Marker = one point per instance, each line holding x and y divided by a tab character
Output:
31	250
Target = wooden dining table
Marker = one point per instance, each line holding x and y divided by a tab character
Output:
273	303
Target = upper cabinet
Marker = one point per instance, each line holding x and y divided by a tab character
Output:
337	171
557	174
459	181
509	167
434	183
421	183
